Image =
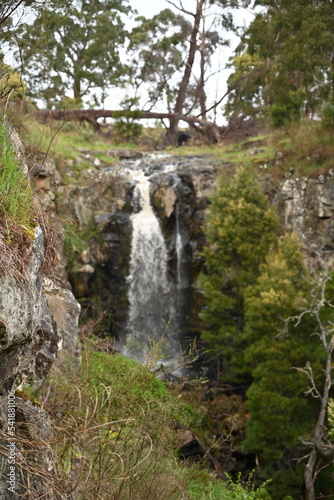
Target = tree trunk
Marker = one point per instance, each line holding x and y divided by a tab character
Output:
201	91
318	442
309	475
181	96
77	88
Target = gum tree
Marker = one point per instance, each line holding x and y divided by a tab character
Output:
73	45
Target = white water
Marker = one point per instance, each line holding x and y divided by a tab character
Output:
179	249
148	286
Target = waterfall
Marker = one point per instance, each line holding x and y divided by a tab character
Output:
182	282
148	292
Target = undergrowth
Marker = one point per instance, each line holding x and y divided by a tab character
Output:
18	212
115	435
115	428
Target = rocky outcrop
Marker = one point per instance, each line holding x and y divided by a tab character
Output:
29	339
29	345
100	203
306	207
65	310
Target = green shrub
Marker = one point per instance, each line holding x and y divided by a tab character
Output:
328	117
125	126
209	489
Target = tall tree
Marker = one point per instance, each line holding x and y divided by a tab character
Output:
12	13
241	227
200	39
157	46
280	414
73	44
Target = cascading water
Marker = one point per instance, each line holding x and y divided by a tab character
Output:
148	287
179	249
151	301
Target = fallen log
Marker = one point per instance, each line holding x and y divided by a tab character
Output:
93	115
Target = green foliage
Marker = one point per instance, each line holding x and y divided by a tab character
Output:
282	113
11	83
279	411
290	43
76	241
157	47
206	489
73	45
73	243
241	227
117	422
245	84
125	126
328	117
16	199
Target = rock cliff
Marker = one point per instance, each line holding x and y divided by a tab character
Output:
38	320
91	210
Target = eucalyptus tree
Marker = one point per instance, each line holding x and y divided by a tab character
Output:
157	47
73	45
292	43
201	42
11	14
175	50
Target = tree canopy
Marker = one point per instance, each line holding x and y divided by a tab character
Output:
73	45
241	227
291	43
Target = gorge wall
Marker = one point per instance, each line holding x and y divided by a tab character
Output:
110	210
38	329
103	204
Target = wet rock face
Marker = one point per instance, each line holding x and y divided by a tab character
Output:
102	206
29	339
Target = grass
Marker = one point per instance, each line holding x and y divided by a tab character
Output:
115	434
115	430
306	147
16	196
20	213
62	140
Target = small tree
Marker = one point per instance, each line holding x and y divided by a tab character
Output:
284	417
125	125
